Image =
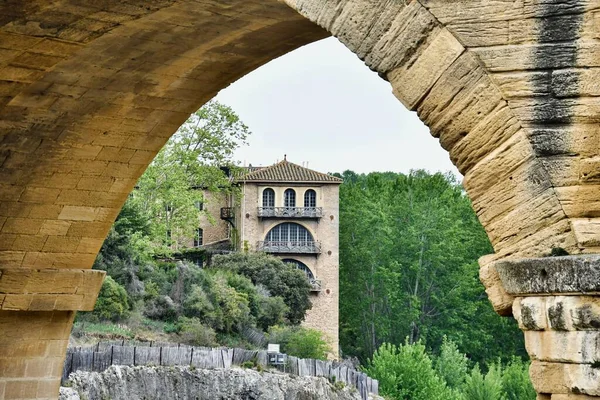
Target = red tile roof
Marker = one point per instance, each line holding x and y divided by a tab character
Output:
286	171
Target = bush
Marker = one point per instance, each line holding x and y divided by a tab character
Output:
195	333
279	278
112	303
162	308
300	342
451	364
271	312
406	372
198	304
488	387
516	382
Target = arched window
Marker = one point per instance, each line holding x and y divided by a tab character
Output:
289	198
301	266
268	199
310	198
289	232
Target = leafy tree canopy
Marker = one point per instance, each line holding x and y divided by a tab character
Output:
409	246
198	156
279	278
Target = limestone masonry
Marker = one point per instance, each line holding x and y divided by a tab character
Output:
90	91
291	212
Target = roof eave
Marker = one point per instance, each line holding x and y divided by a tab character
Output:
290	182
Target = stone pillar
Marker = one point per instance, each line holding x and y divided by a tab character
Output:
557	305
37	308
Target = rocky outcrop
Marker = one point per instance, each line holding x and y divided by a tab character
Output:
186	383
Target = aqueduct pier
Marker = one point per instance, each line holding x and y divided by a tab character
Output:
91	90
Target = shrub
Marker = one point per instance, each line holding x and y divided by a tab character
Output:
451	364
516	382
162	308
198	304
488	387
271	312
278	277
300	342
406	372
195	333
112	303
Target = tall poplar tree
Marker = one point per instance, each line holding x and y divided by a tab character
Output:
409	246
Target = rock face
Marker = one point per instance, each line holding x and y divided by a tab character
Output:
185	383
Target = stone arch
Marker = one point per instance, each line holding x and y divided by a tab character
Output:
89	94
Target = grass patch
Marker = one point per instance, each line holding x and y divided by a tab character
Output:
104	329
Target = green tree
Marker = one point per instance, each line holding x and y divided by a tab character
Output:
112	303
484	387
451	364
278	278
515	381
406	372
300	342
409	246
167	193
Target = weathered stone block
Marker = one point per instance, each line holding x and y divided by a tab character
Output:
587	231
411	32
497	127
562	378
530	313
576	347
411	82
551	275
501	301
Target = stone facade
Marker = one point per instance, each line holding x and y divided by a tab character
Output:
215	231
89	93
252	229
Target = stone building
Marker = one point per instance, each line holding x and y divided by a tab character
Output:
291	212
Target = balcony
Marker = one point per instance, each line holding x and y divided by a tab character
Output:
227	213
299	247
290	212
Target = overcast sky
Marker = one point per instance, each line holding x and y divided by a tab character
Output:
321	104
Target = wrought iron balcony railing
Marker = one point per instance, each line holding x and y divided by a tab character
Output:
289	247
290	212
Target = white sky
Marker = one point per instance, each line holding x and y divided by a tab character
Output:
321	104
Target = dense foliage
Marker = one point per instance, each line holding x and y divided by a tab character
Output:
409	246
207	306
197	156
277	277
407	372
240	293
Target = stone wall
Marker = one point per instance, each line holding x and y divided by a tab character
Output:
324	314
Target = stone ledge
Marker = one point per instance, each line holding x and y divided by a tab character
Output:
551	275
49	289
